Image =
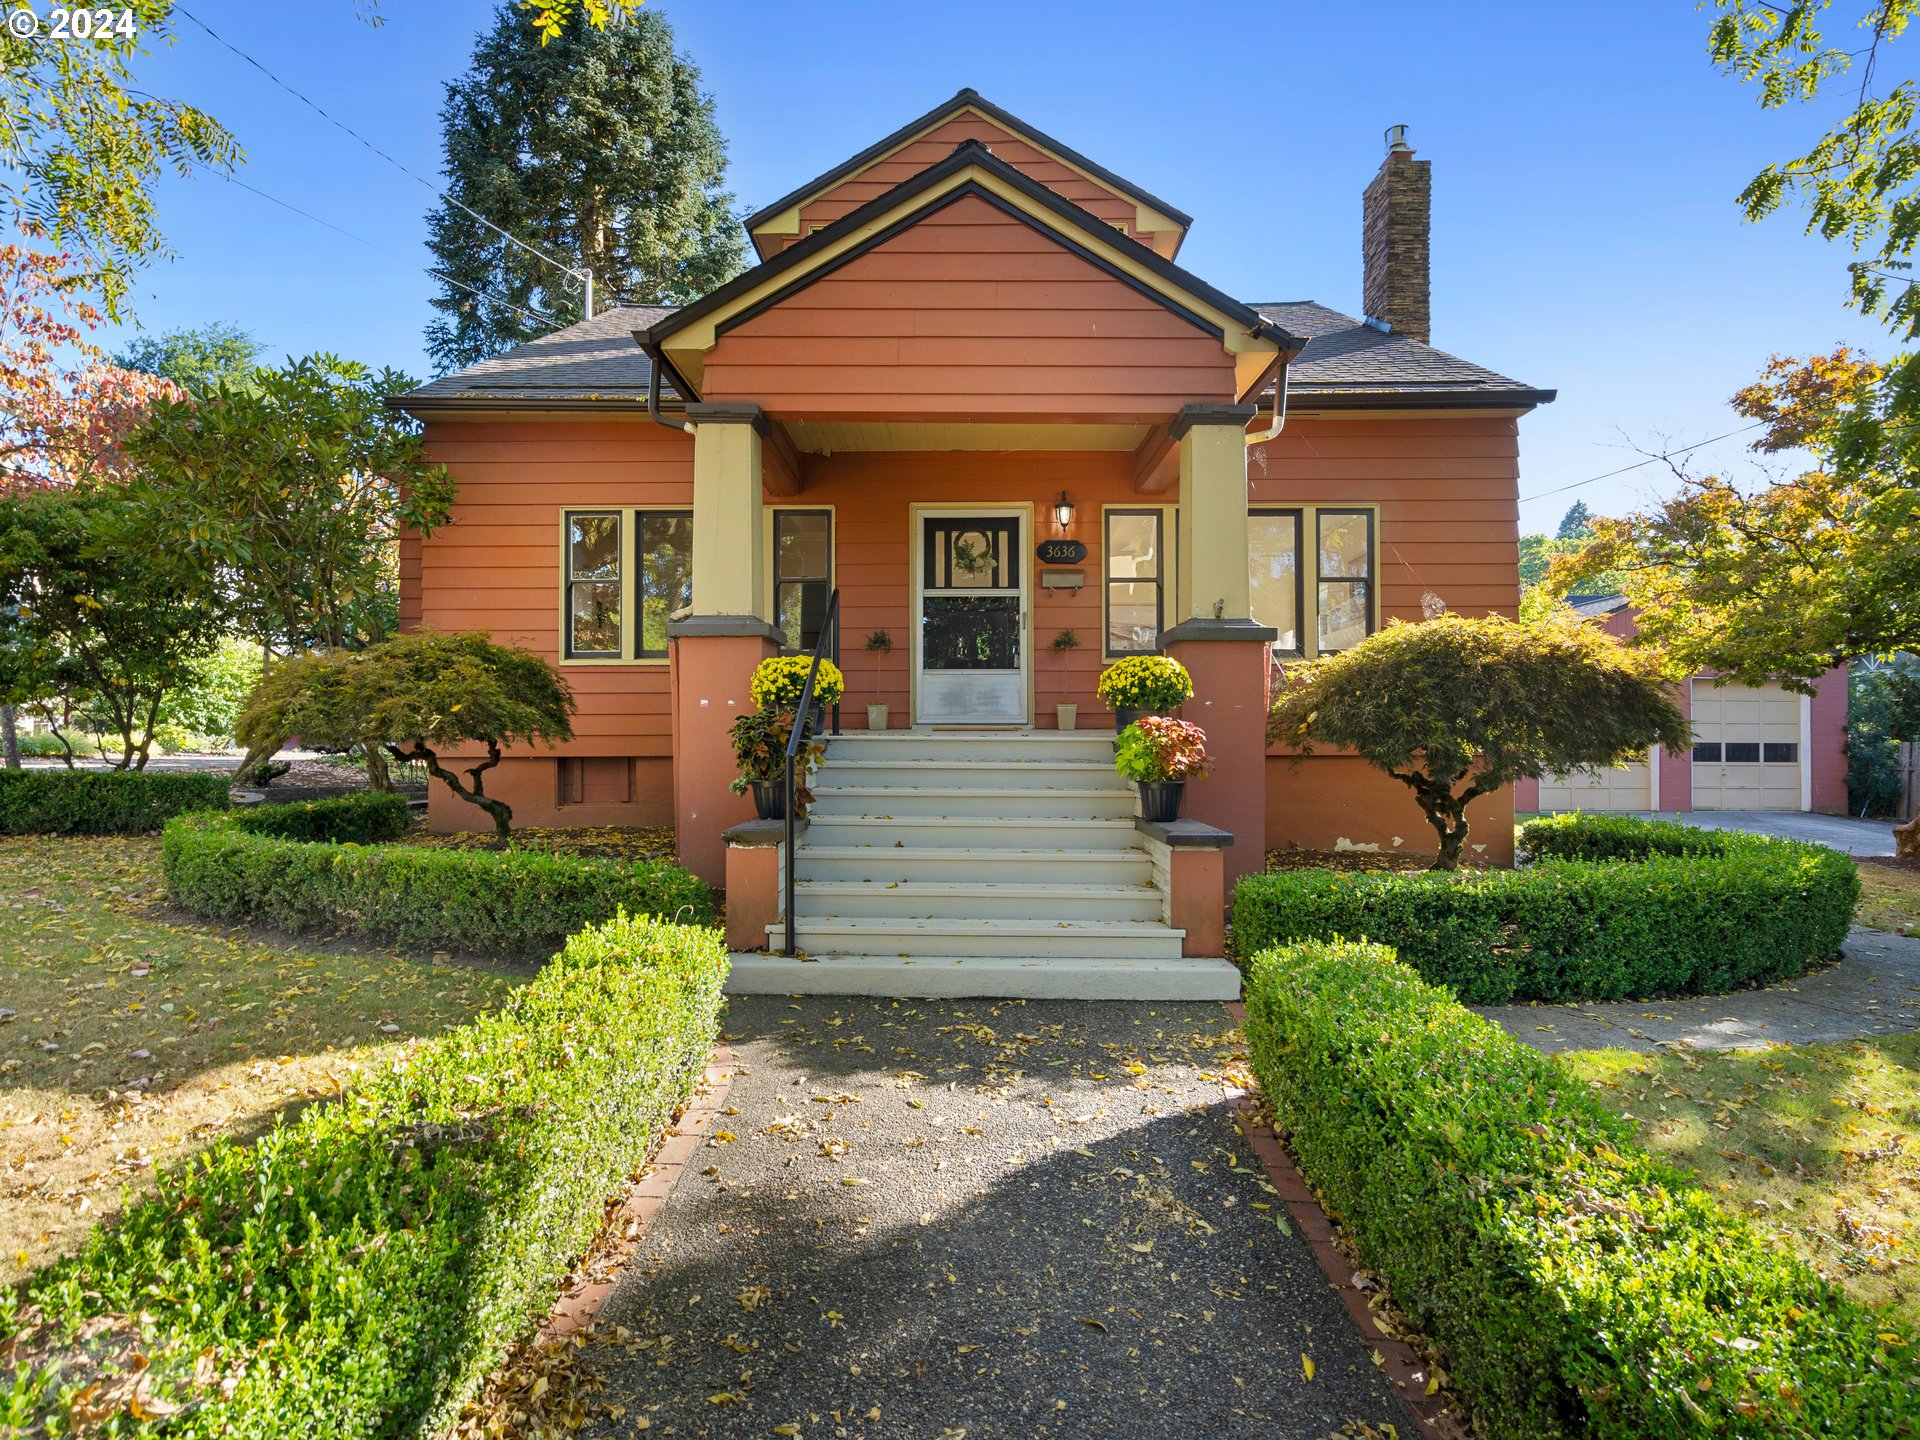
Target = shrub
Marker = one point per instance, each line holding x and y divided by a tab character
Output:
1145	682
513	903
779	679
96	802
1615	837
361	1267
1757	911
350	819
1578	1286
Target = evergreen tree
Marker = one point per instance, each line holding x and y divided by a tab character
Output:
598	148
1573	524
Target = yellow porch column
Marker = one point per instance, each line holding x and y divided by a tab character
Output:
1212	571
727	510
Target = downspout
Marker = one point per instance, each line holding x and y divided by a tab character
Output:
654	413
1279	409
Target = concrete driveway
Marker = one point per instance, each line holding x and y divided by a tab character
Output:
1842	832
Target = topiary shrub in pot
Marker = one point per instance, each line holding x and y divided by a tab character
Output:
1144	685
1160	755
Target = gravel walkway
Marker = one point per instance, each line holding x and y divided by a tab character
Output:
980	1219
1874	990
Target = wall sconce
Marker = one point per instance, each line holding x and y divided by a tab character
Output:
1063	511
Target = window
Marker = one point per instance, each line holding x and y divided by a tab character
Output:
1321	609
1274	548
625	573
1743	752
596	780
1780	752
1136	578
1706	752
802	574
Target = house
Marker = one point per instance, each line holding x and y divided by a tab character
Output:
963	342
1755	747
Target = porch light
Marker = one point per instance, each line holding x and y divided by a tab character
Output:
1063	511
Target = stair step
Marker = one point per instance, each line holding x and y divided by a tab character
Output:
1013	939
815	860
993	745
979	900
930	802
955	976
1093	774
986	832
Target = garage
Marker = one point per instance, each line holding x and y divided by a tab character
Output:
1746	747
1626	787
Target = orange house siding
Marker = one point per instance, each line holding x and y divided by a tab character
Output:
969	314
895	169
1447	489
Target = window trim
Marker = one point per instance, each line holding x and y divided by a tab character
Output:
623	560
1307	597
770	554
1169	516
630	515
1301	515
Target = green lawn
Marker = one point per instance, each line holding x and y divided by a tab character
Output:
1816	1144
132	1036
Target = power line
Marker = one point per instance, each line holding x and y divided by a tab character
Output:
1639	464
580	273
373	245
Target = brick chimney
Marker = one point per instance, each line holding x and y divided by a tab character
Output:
1396	226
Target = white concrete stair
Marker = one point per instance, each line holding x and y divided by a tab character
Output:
980	863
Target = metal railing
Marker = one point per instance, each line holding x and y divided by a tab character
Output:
826	646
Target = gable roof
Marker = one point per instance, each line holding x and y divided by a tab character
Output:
590	365
973	169
1349	362
965	99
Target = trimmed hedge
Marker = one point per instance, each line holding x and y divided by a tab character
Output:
365	819
358	1270
1749	911
1578	1286
512	903
1618	837
103	802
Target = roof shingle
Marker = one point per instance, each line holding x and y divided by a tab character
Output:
1345	356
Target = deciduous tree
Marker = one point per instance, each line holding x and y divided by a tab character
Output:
1456	707
195	359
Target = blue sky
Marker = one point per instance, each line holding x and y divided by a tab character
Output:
1585	168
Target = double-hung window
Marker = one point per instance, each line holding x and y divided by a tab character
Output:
1313	573
1135	561
802	575
624	573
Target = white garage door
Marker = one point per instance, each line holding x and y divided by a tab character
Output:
1628	787
1746	748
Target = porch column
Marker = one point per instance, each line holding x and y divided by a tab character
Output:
716	647
1216	637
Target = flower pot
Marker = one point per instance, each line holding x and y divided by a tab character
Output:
1126	717
876	717
1160	799
770	799
1066	716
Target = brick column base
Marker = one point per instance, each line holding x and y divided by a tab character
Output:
713	659
1228	662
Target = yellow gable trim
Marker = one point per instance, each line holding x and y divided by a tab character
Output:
687	348
1147	220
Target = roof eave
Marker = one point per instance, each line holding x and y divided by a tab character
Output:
1386	398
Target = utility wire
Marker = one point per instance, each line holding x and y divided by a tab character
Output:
373	245
1640	464
577	272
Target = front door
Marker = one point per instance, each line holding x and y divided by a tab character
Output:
970	647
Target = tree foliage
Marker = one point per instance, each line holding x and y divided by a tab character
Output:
84	142
418	696
290	491
1573	524
1458	707
1790	579
597	146
196	359
115	630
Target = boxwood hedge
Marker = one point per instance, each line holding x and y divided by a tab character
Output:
269	865
1578	1286
1738	910
103	802
357	1271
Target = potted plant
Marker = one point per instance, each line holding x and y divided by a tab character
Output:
779	679
1067	712
1144	685
878	643
760	750
1160	755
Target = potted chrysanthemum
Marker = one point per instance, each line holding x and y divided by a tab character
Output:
1144	685
778	681
1160	755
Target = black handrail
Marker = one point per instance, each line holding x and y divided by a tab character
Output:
828	639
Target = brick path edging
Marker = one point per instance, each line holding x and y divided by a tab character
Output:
576	1309
1402	1363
